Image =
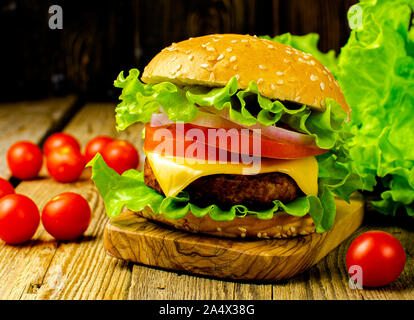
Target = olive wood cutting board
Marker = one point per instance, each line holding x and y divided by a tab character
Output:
133	238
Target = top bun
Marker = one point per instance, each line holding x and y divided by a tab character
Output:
280	71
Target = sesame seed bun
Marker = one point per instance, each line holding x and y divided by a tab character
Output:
280	226
280	71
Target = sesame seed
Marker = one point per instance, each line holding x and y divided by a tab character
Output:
211	58
244	40
173	59
280	82
313	77
259	81
229	49
235	67
205	44
279	73
215	39
293	229
233	41
312	62
218	229
301	60
204	65
242	229
297	98
191	57
221	56
243	235
273	86
212	77
285	60
277	235
259	235
271	46
322	86
262	67
288	51
237	76
233	58
327	69
211	49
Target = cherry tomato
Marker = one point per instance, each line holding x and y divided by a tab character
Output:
65	164
58	140
121	155
96	145
5	188
19	218
269	148
66	216
25	160
380	256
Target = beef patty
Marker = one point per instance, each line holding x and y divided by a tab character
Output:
254	191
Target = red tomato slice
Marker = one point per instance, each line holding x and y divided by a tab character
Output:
181	137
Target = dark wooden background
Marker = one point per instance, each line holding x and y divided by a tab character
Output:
101	38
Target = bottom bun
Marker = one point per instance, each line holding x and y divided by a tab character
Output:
280	226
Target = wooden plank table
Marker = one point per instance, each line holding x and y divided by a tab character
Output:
47	269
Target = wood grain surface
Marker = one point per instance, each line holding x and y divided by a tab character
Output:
134	238
95	45
46	269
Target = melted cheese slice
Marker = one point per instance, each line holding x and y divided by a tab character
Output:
174	174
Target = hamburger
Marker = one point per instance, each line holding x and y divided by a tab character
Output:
243	139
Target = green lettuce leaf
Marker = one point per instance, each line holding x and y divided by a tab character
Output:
139	101
129	190
376	73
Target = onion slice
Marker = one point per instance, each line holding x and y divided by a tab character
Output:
272	132
160	119
212	118
202	119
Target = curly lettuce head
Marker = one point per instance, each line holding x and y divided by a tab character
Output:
376	74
